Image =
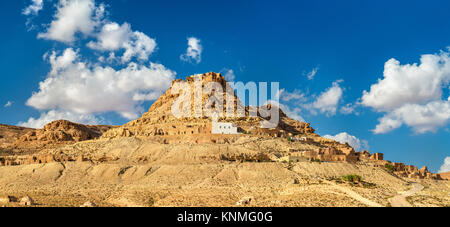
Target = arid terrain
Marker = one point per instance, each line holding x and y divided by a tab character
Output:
159	160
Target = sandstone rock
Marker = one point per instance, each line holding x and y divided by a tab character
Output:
424	170
7	199
445	176
60	131
26	201
89	204
245	201
159	121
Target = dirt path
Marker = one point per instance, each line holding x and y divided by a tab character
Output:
354	195
400	200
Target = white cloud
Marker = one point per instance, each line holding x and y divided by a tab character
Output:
73	16
229	75
54	115
194	51
294	113
422	118
61	62
34	7
328	101
297	96
81	88
353	141
411	94
312	74
8	104
350	108
113	37
446	166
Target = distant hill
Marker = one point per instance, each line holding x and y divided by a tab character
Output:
445	175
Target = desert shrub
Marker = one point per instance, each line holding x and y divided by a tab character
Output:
352	178
390	168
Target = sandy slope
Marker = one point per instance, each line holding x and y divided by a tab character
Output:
149	174
400	200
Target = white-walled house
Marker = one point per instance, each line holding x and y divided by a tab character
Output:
224	128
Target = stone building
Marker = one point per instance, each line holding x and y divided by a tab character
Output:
224	128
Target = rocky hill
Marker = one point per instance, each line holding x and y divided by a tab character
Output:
59	132
159	121
9	134
445	175
63	131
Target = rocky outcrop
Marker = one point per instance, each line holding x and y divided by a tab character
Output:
27	201
89	204
410	171
60	132
9	134
64	131
445	176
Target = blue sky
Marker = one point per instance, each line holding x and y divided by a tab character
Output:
347	44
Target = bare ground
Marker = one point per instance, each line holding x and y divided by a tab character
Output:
149	174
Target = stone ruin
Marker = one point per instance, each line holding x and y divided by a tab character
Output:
333	154
410	171
348	155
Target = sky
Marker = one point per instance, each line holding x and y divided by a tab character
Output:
375	74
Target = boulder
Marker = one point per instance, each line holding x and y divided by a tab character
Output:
6	199
424	170
26	201
245	201
89	204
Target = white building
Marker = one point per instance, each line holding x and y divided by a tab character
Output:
224	128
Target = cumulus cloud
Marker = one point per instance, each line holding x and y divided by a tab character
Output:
422	118
113	37
328	101
353	141
446	166
34	7
54	115
229	75
412	94
296	96
82	88
61	62
349	108
72	17
194	51
78	89
292	112
8	104
312	74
